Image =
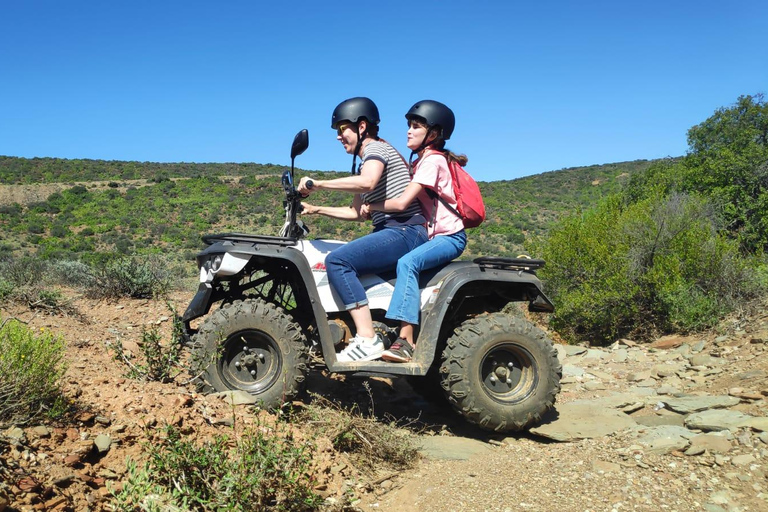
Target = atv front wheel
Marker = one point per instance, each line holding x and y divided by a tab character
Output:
500	372
255	347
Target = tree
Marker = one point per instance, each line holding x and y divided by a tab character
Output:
728	162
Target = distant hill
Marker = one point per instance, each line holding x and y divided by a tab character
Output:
78	208
27	171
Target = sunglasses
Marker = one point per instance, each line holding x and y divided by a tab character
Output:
340	129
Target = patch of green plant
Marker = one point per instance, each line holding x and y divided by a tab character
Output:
160	361
259	469
31	370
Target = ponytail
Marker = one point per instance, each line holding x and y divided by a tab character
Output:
439	145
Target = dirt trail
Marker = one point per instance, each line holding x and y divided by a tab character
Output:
463	469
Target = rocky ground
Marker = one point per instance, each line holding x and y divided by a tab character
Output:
678	424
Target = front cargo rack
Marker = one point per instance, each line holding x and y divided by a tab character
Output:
246	238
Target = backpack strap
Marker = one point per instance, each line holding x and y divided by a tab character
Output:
437	197
434	194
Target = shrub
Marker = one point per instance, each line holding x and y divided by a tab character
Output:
655	266
260	469
31	369
137	277
72	273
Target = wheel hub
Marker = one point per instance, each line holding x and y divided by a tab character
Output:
251	361
504	374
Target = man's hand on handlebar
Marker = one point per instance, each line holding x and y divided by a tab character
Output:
306	184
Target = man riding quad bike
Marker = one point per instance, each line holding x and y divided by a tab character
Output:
496	369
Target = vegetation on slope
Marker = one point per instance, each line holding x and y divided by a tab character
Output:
678	248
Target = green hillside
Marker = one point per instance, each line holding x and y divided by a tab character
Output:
94	207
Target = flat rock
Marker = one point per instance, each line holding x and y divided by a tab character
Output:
667	342
620	355
574	350
667	390
757	423
712	443
582	420
643	391
665	438
595	354
614	401
690	404
743	460
14	433
666	370
103	443
639	376
751	374
603	466
676	420
41	431
594	385
451	448
601	375
717	419
570	370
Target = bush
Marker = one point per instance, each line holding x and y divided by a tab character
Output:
137	277
655	266
73	273
261	469
31	369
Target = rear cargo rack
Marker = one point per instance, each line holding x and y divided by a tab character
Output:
509	263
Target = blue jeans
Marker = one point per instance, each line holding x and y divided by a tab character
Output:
375	252
406	299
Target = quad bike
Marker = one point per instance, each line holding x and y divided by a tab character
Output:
496	369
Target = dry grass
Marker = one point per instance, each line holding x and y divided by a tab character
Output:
372	446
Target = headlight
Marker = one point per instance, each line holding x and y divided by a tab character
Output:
216	263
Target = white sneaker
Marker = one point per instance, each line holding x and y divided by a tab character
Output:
362	350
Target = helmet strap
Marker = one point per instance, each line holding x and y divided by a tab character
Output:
424	145
360	139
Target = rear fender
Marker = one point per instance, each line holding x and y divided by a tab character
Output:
475	282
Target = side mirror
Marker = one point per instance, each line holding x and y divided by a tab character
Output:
300	143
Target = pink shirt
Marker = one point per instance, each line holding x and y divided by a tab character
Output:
431	171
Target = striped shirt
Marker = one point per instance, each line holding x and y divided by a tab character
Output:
391	185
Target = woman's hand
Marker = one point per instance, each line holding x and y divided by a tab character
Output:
365	211
308	209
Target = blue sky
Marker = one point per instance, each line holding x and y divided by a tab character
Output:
536	86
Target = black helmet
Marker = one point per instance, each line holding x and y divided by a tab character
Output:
436	114
353	110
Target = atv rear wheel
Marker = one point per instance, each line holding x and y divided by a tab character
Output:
500	372
255	347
